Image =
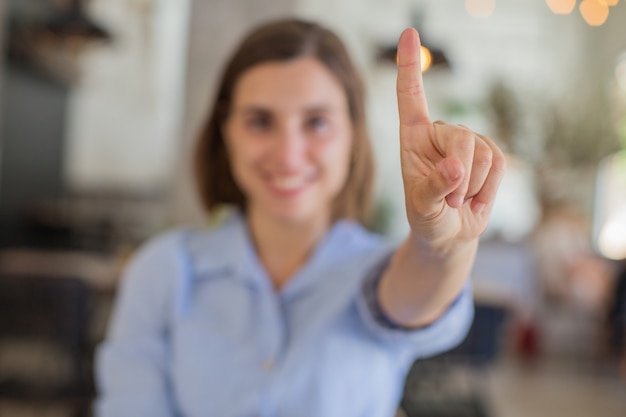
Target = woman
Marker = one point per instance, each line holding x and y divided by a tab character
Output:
291	308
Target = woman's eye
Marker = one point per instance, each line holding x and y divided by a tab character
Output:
258	123
317	123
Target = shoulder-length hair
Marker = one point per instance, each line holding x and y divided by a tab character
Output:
281	41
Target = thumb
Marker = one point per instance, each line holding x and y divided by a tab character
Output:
444	179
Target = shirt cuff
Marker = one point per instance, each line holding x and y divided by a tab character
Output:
443	334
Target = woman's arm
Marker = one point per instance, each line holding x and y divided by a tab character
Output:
450	176
421	282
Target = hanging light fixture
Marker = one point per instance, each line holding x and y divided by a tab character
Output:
72	22
426	58
51	37
430	56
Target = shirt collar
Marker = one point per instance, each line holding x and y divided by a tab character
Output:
223	250
228	250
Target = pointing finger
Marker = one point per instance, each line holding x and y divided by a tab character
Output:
412	105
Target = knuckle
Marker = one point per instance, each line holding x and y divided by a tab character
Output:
483	158
499	162
498	158
464	138
413	90
409	65
483	155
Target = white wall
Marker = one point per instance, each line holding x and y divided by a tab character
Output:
125	113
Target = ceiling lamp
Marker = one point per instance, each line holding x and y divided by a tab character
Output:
426	58
430	57
72	22
51	39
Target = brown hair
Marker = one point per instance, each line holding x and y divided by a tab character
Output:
280	41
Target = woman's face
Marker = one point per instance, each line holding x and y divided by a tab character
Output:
289	137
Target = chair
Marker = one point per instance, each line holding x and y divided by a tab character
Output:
45	320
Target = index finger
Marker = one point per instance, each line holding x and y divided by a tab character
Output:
412	105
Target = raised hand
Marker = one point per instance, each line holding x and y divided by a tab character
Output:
450	173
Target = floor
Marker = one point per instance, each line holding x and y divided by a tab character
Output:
550	388
556	388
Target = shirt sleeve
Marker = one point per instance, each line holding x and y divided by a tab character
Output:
132	365
442	335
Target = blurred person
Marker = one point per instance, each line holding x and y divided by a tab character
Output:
290	307
570	271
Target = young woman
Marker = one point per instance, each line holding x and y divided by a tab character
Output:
290	307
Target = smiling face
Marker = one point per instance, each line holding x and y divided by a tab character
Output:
289	139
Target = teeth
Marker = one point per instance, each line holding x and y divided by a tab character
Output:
288	183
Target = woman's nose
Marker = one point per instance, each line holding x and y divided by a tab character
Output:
289	147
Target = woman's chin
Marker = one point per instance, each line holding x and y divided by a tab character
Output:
295	213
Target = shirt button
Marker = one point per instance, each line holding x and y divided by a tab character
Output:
268	364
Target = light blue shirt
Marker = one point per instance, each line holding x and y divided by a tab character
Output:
198	330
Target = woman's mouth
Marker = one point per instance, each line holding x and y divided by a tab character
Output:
287	185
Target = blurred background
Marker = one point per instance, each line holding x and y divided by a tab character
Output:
101	101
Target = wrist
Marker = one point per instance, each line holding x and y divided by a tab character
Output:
444	249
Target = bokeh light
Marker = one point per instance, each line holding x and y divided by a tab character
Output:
594	12
480	8
426	58
612	239
561	6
